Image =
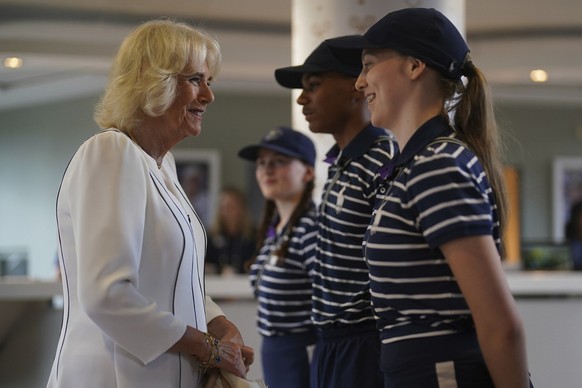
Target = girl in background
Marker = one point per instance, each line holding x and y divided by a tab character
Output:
280	275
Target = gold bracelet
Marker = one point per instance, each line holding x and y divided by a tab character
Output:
214	349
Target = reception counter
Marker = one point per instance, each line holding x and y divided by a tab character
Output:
521	283
550	304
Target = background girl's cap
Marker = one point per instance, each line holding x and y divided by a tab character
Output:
423	33
285	141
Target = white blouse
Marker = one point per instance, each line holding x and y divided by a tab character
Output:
131	250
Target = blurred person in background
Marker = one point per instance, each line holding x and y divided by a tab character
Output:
232	237
573	233
281	275
194	180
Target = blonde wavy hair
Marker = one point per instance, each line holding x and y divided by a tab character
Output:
144	76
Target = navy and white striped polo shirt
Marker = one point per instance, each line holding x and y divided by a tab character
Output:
341	294
284	292
441	194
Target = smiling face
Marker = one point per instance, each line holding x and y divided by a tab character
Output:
384	82
280	177
193	95
327	101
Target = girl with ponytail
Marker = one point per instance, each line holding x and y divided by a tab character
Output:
444	310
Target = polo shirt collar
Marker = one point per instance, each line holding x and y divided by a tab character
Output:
427	132
357	147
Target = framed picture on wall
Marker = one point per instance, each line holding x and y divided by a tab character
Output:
567	190
198	171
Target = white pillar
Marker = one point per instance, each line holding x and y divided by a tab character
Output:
312	21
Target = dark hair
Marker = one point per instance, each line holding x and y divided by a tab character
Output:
270	215
474	122
246	225
572	230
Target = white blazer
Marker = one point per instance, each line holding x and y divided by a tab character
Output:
131	251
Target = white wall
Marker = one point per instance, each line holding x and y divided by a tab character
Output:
535	135
37	142
35	146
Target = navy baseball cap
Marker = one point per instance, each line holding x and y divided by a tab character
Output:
423	33
321	60
285	141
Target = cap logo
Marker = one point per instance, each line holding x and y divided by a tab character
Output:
273	134
452	67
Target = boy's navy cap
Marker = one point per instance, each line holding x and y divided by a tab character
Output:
321	60
423	33
285	141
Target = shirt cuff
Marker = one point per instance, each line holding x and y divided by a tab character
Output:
212	310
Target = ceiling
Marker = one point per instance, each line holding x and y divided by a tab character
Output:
68	45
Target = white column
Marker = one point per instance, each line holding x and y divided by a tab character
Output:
312	21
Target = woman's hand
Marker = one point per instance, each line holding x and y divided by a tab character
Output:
231	359
212	352
225	330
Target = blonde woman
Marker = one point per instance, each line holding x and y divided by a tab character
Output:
232	237
131	247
